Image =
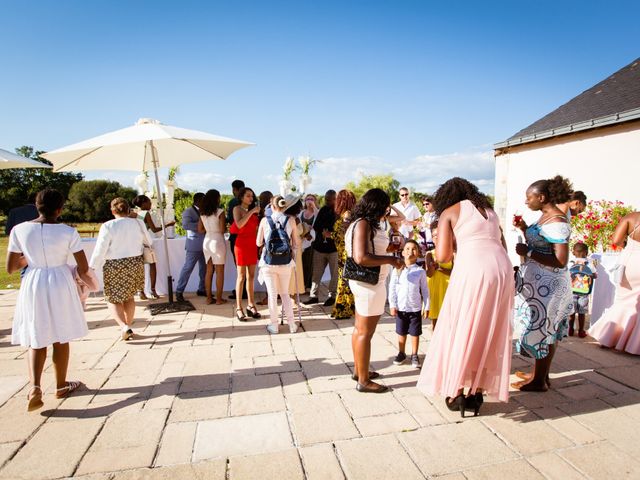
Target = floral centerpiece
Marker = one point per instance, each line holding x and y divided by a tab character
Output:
171	185
142	182
286	185
595	226
304	164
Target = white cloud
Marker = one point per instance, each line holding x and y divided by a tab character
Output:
423	173
201	181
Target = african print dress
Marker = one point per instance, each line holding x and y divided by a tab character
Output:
543	294
344	306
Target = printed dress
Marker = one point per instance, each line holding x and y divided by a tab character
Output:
344	306
543	294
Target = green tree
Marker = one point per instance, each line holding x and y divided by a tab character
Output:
89	201
19	184
384	182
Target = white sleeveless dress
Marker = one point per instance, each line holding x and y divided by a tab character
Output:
48	309
213	245
370	299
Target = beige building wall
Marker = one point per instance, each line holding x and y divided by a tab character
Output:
604	163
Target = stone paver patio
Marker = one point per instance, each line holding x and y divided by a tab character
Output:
200	395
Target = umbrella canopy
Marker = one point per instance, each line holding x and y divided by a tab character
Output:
11	160
128	149
145	146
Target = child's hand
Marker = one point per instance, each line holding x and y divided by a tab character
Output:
394	312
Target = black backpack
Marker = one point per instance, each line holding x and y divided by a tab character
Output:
278	246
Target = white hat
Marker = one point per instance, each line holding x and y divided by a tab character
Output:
290	200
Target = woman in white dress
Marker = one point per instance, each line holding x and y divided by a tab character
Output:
143	212
212	224
48	309
118	252
367	242
292	210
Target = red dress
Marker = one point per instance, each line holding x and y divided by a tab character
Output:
246	250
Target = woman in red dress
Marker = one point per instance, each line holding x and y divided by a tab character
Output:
245	226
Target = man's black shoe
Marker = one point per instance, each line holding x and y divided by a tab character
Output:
329	302
201	293
232	295
311	301
179	297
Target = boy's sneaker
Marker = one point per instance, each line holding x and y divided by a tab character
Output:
272	328
293	328
400	358
415	361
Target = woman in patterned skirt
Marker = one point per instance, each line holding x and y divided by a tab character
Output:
119	247
344	306
543	286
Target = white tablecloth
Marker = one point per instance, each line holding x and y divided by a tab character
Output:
176	258
603	288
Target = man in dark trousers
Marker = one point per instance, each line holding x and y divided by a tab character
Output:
324	251
236	186
193	247
18	215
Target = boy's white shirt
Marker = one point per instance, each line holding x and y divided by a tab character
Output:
399	291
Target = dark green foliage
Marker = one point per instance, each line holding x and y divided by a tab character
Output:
89	201
18	184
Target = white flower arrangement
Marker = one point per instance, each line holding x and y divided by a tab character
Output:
305	163
288	168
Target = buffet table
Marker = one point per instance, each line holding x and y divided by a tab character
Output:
603	287
176	258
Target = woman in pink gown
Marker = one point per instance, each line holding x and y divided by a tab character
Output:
471	348
619	326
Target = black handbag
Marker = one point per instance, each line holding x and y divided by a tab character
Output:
355	271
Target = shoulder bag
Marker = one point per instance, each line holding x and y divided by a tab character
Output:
148	255
360	273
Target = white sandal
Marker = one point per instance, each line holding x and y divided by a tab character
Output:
35	399
66	390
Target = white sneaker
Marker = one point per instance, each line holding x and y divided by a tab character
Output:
272	329
293	328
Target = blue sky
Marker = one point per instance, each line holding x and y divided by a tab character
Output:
421	89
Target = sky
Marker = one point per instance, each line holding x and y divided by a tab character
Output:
419	89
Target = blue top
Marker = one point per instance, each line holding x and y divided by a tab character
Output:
408	290
19	215
190	218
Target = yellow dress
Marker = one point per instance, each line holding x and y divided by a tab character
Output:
438	284
299	273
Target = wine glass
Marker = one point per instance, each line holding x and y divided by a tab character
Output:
324	235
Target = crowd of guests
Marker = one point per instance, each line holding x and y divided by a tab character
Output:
448	264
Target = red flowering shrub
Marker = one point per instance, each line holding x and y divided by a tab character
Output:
595	226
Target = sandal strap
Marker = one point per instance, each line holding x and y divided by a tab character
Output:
71	385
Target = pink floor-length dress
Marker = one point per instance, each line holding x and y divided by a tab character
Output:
619	326
471	345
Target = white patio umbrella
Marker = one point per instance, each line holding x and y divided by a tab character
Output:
147	145
11	160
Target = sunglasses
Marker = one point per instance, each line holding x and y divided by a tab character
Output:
404	194
426	203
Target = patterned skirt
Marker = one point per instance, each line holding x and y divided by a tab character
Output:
542	307
123	278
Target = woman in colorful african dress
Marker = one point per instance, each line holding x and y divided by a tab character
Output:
543	285
345	306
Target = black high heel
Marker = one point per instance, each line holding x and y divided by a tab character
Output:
478	400
253	311
457	403
240	315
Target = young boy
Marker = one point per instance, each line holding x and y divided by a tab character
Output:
583	273
408	297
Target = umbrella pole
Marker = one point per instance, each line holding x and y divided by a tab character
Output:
171	306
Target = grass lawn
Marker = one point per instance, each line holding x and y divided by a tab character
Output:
6	280
86	230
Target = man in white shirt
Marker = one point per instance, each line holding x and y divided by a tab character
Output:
410	211
428	217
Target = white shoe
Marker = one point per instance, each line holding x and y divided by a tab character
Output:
293	328
272	329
